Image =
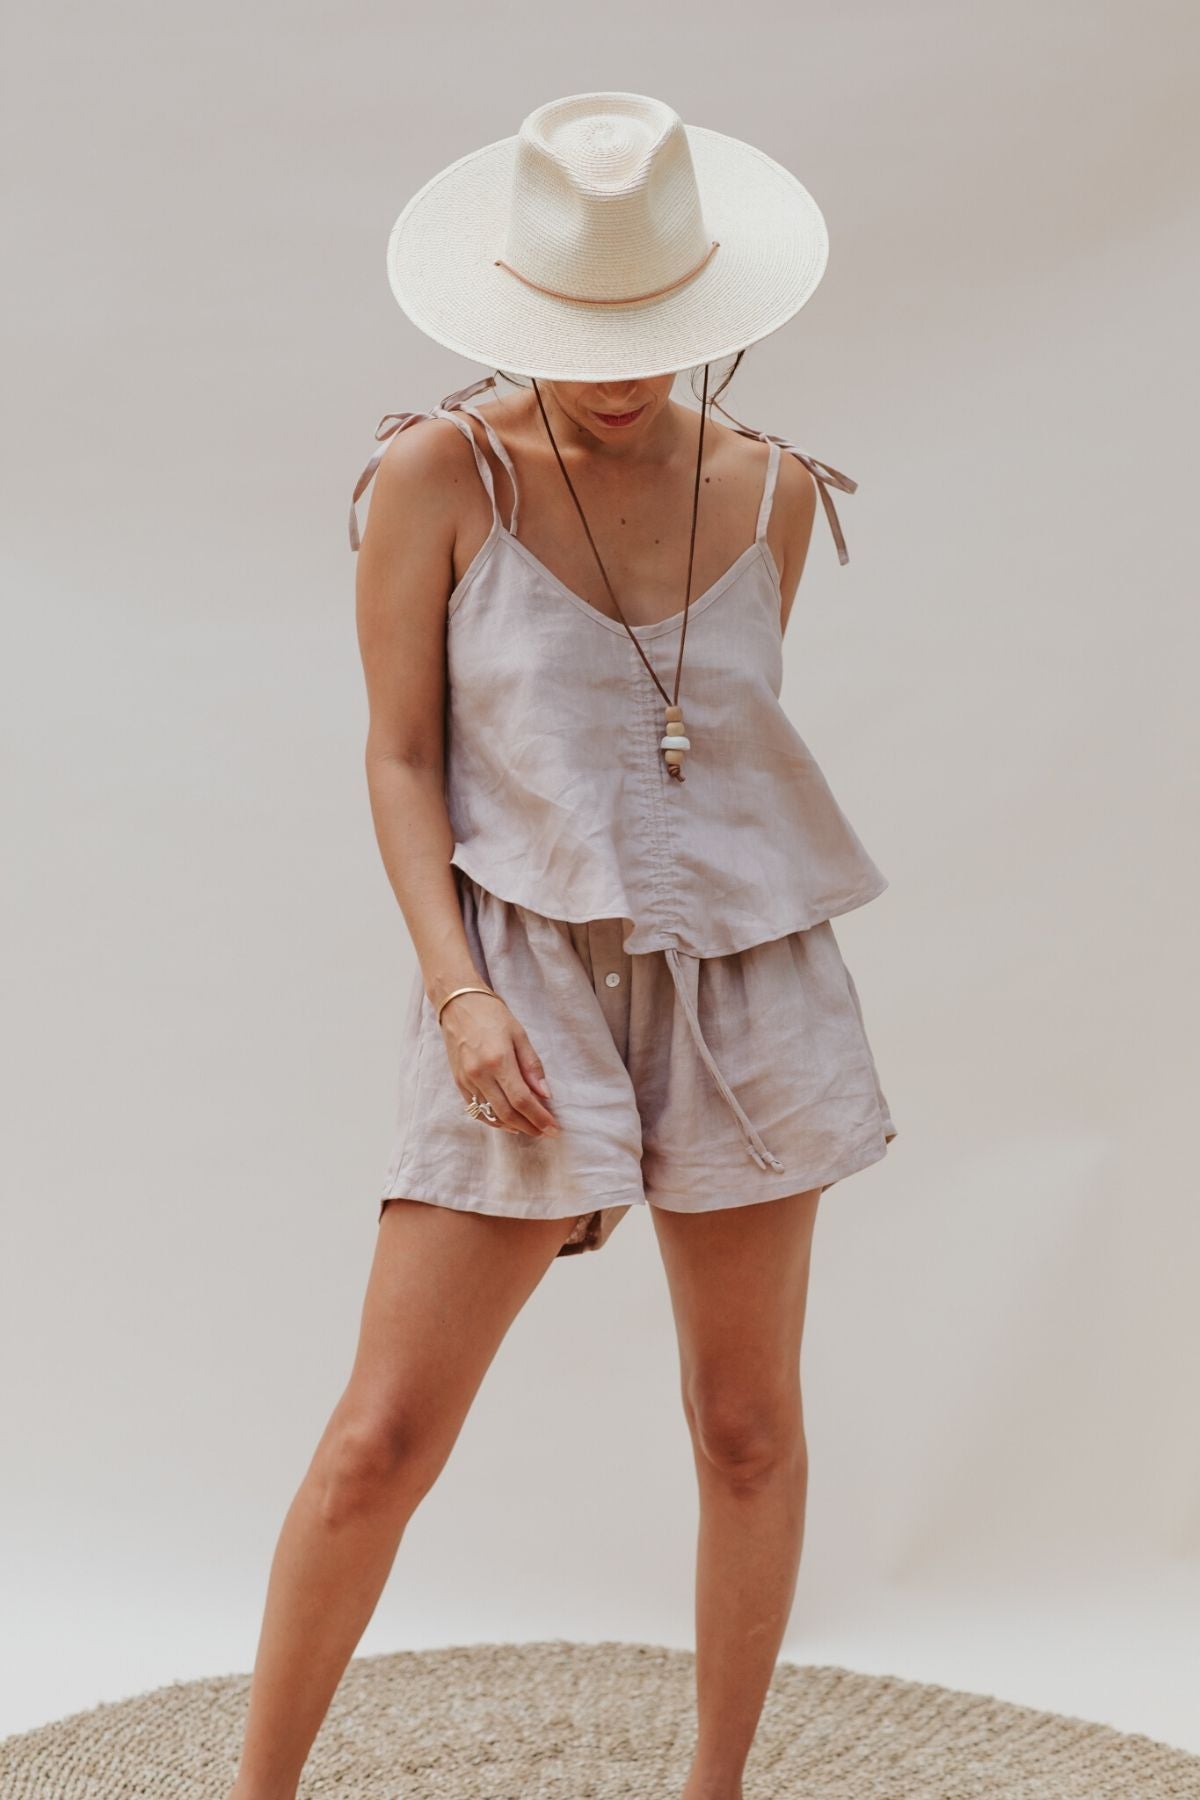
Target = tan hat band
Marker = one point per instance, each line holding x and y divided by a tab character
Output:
626	300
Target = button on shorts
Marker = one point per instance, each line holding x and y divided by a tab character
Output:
642	1118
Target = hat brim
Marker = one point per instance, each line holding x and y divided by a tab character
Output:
442	269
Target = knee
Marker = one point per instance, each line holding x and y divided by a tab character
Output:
371	1457
747	1438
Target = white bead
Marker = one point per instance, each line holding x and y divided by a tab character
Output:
675	743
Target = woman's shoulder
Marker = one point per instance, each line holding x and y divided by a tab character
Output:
795	488
427	464
418	473
748	453
426	447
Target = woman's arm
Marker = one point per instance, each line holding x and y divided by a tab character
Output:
404	579
405	575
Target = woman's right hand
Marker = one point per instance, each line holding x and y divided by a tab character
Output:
491	1057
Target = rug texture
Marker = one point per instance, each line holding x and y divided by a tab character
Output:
565	1721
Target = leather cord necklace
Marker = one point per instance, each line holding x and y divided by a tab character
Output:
674	742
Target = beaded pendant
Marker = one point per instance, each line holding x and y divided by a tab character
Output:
675	742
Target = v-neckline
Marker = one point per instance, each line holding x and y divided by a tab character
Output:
656	626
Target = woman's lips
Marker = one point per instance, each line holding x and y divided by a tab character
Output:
625	418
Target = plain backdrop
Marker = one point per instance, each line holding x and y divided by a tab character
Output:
204	965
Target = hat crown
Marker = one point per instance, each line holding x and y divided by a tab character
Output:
604	202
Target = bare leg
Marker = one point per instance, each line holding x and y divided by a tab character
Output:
739	1281
443	1290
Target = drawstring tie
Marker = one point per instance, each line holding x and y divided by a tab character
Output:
754	1144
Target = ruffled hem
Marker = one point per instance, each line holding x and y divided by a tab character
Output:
719	938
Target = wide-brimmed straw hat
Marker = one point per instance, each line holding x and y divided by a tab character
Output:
607	239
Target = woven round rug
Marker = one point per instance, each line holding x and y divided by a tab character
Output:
564	1721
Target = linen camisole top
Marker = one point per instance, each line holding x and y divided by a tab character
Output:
556	788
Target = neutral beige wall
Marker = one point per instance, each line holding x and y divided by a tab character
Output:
205	965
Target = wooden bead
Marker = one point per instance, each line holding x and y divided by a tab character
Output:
674	742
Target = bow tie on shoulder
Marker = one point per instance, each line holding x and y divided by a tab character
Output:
822	473
387	428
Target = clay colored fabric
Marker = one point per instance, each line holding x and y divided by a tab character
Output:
642	1121
666	945
557	791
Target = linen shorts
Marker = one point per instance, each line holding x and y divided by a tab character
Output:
642	1119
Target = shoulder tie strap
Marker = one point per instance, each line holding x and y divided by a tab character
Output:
387	428
821	472
768	492
455	416
503	458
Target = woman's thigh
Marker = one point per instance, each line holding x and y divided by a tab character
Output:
443	1289
738	1281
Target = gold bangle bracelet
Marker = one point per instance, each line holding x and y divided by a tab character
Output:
464	990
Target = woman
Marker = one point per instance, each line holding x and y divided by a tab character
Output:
628	988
